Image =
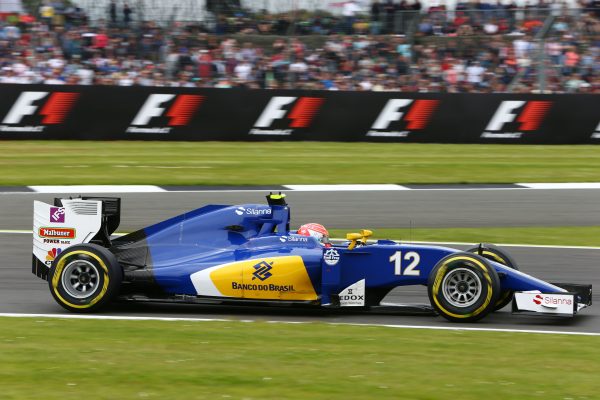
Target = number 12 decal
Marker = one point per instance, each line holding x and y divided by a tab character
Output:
413	261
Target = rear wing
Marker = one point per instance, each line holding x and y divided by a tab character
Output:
69	222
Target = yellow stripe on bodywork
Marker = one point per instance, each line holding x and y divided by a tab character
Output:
440	277
284	278
58	271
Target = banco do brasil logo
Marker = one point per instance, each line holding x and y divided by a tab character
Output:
262	271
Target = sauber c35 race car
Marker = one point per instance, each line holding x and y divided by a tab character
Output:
247	253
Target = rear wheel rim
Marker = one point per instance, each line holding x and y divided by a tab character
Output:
461	287
80	279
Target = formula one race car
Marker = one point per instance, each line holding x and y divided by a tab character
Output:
247	253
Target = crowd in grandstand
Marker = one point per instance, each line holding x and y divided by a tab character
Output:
477	47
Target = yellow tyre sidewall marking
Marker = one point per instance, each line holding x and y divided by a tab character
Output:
502	261
58	272
438	281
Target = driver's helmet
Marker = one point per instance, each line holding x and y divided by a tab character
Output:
317	231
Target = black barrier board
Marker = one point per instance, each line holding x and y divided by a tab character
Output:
153	113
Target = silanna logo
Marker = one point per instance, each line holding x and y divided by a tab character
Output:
513	118
262	271
551	301
162	116
400	117
252	211
38	110
279	118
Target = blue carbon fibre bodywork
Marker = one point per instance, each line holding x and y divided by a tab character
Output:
216	235
372	263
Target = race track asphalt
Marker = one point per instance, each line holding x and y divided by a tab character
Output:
22	292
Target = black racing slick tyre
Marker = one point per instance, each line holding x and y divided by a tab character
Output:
463	287
495	253
85	277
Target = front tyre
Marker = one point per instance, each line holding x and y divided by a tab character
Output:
463	287
84	278
495	253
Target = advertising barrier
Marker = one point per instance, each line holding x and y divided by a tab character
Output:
157	113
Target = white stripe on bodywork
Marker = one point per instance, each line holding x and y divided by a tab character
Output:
203	283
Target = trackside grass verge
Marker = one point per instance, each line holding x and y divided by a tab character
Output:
555	235
77	359
277	163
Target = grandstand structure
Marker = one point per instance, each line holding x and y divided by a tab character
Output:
197	10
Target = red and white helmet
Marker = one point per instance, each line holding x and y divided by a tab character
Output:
317	231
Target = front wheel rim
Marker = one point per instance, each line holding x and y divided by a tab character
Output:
461	287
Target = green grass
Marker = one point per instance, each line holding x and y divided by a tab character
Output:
221	163
555	235
79	359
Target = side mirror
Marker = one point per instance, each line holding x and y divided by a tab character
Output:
361	237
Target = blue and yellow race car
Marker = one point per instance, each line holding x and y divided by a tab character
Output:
247	253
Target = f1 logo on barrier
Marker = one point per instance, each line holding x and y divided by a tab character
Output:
530	118
53	111
415	117
596	134
300	115
179	113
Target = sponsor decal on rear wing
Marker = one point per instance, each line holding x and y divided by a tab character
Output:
56	228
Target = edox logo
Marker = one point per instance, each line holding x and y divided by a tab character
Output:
262	271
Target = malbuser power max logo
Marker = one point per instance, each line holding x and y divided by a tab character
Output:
400	117
33	111
158	116
280	118
513	118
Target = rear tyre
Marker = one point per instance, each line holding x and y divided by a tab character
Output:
495	253
463	287
85	277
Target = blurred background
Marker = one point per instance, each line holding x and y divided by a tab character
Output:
483	46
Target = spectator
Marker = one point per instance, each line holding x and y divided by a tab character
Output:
126	14
112	12
182	55
349	12
390	15
376	17
47	13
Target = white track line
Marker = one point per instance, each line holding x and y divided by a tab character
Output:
177	319
119	189
97	189
344	188
567	185
541	246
